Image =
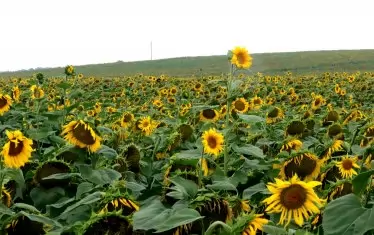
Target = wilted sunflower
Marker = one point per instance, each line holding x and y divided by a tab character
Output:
82	135
209	115
23	225
127	206
240	105
346	166
5	103
334	130
241	58
305	165
293	144
369	132
36	92
255	224
318	101
6	198
17	151
336	145
274	115
127	119
16	93
212	142
295	128
294	199
147	125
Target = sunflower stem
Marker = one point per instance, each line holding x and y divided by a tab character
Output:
214	225
226	150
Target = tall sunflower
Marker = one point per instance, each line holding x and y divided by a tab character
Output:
17	151
346	166
212	142
82	135
294	199
16	93
306	165
147	125
241	58
5	103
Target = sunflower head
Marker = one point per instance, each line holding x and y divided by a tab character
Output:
240	105
116	203
305	165
254	224
347	166
127	119
213	142
293	144
209	115
295	128
107	223
334	130
50	168
17	151
82	135
274	115
6	197
331	117
294	199
186	131
23	225
240	58
5	103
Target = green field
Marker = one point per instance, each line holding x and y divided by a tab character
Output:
267	63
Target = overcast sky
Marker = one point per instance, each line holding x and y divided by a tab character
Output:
47	33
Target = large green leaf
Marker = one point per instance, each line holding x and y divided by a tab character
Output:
42	197
249	149
177	218
83	188
361	181
88	200
100	176
225	185
251	119
346	216
17	176
258	188
187	187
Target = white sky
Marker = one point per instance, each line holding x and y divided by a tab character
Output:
48	33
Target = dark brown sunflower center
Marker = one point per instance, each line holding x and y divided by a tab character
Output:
273	113
145	124
257	101
14	149
127	117
317	102
239	105
302	168
83	134
209	113
241	58
212	142
3	102
293	197
173	91
369	132
347	164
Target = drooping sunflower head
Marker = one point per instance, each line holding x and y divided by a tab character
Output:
295	128
131	155
16	93
241	58
107	223
340	190
332	116
293	144
17	151
50	168
36	92
318	101
116	203
127	119
255	224
334	146
369	132
213	142
6	197
305	165
5	103
23	225
186	131
334	130
81	135
294	199
209	115
240	105
346	166
274	115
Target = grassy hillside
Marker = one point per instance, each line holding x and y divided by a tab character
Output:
268	63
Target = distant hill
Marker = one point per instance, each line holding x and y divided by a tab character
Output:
267	63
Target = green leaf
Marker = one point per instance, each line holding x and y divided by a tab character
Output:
177	218
346	216
149	216
222	185
41	219
104	130
360	182
251	119
17	176
99	177
88	200
38	134
42	197
61	176
249	149
107	152
64	85
187	187
188	154
273	230
26	207
257	188
83	188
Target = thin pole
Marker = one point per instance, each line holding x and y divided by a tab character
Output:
151	51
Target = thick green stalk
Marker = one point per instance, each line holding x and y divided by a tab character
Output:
228	91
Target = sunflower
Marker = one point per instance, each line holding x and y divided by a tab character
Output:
336	145
127	206
318	101
16	93
255	224
127	119
198	86
173	91
369	132
6	198
17	151
158	103
5	103
147	125
293	144
295	128
204	166
256	102
81	135
240	105
346	166
209	115
213	142
293	199
241	58
306	165
274	115
171	100
36	92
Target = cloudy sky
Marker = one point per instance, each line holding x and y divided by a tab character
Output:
47	33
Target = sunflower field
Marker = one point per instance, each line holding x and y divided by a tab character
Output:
236	154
